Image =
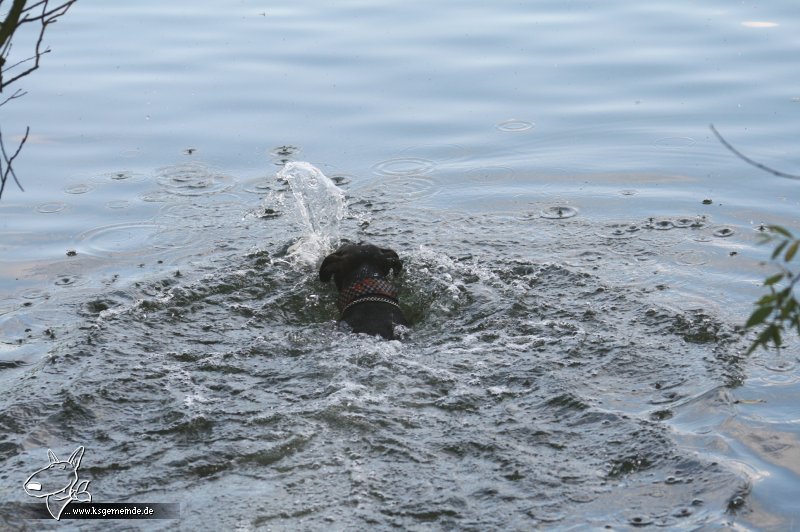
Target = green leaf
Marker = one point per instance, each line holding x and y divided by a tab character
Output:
775	333
779	248
791	251
773	279
780	230
788	308
761	340
784	295
758	316
766	300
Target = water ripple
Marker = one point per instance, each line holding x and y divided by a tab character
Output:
119	175
192	179
118	204
128	238
674	143
78	188
724	232
404	166
51	207
515	126
558	212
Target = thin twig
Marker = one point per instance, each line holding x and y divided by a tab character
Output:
9	170
748	160
40	13
19	93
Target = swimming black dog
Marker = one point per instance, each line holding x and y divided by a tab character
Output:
367	301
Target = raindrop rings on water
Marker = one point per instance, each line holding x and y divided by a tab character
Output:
260	186
692	258
69	280
781	374
120	239
284	152
620	231
558	212
404	166
778	363
682	223
118	204
406	178
515	126
51	208
660	225
118	176
724	232
34	293
78	188
192	179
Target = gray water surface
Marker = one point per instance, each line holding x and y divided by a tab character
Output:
574	358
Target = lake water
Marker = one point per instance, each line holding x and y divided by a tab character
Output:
574	359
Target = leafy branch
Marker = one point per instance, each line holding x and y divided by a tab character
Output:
779	309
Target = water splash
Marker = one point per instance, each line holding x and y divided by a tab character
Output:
321	206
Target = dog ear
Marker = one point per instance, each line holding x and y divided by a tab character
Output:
329	267
391	261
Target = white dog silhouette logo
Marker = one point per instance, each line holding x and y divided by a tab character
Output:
58	483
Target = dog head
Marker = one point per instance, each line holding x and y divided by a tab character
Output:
352	261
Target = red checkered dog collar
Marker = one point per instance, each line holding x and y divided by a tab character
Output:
368	289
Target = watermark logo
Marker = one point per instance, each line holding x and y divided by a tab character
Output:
57	483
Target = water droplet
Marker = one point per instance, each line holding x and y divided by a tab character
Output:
686	222
724	232
640	521
557	212
342	179
284	151
660	225
70	280
620	231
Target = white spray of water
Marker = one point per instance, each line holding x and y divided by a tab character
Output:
321	205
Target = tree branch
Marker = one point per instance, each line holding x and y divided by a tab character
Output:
9	162
18	15
748	160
